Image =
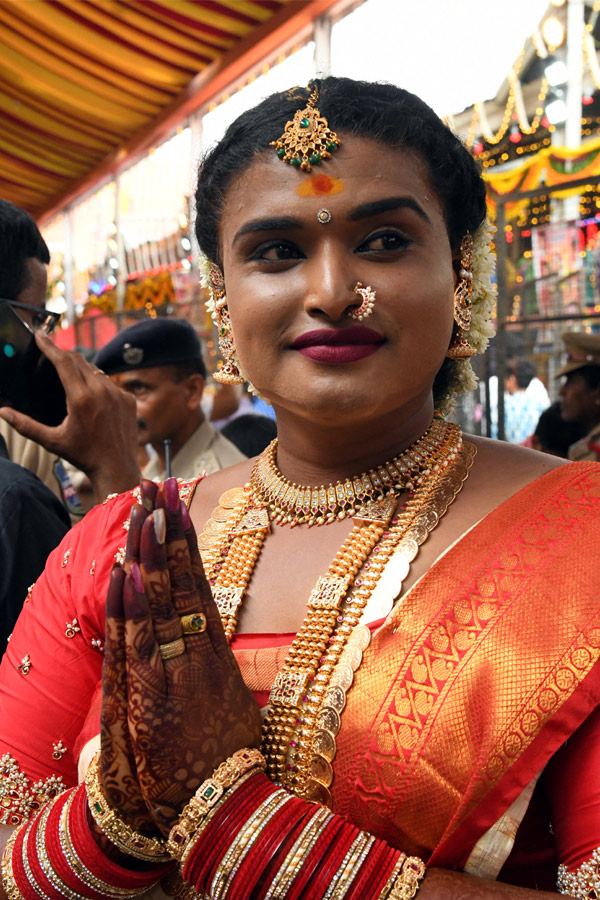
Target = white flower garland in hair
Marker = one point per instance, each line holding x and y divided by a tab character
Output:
483	304
463	377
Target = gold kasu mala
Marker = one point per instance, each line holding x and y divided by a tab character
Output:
295	504
315	662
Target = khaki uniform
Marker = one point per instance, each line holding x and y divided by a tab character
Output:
206	451
31	456
588	448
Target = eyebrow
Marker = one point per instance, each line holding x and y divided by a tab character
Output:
134	383
279	223
379	206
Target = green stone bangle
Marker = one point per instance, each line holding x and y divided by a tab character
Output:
118	832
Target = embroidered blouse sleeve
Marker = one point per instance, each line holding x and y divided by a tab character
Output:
573	785
53	663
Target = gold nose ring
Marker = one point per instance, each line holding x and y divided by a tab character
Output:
368	302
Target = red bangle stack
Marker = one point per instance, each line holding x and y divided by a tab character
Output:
264	843
55	856
212	844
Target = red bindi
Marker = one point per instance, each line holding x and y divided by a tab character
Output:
320	186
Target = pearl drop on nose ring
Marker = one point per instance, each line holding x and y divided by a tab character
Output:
368	302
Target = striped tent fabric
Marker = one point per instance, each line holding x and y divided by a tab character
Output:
78	78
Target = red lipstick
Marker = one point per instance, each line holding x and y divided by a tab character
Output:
337	346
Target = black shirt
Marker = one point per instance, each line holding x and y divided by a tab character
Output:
32	522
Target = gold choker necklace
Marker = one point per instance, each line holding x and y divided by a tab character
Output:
358	497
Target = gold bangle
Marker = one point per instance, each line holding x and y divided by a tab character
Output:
44	861
231	862
8	879
409	881
300	850
350	865
393	876
25	860
196	830
208	795
81	871
118	832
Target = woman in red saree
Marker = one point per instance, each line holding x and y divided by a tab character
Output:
439	693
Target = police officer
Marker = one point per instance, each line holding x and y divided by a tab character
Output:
580	392
159	361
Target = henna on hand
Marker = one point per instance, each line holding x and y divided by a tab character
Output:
187	714
119	776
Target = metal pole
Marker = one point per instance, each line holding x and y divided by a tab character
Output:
195	124
502	308
121	272
322	38
68	266
575	32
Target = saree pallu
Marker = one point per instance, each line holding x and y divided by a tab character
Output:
479	675
476	679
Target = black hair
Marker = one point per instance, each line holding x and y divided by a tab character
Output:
386	114
523	370
251	433
591	375
20	240
382	112
183	370
555	434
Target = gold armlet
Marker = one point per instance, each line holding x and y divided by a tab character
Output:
584	882
232	772
118	832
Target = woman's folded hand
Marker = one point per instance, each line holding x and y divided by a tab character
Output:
187	706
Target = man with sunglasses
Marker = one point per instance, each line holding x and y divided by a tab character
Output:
99	433
38	318
33	519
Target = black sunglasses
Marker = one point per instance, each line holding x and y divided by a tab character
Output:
41	319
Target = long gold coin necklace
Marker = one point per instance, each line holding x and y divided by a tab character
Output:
309	691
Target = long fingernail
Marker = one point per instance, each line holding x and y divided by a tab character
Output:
136	575
185	517
114	600
160	525
172	494
148	493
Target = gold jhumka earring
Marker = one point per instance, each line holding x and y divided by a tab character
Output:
229	373
463	298
307	139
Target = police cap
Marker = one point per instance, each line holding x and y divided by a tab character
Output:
582	350
151	342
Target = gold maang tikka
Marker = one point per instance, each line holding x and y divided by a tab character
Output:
307	139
